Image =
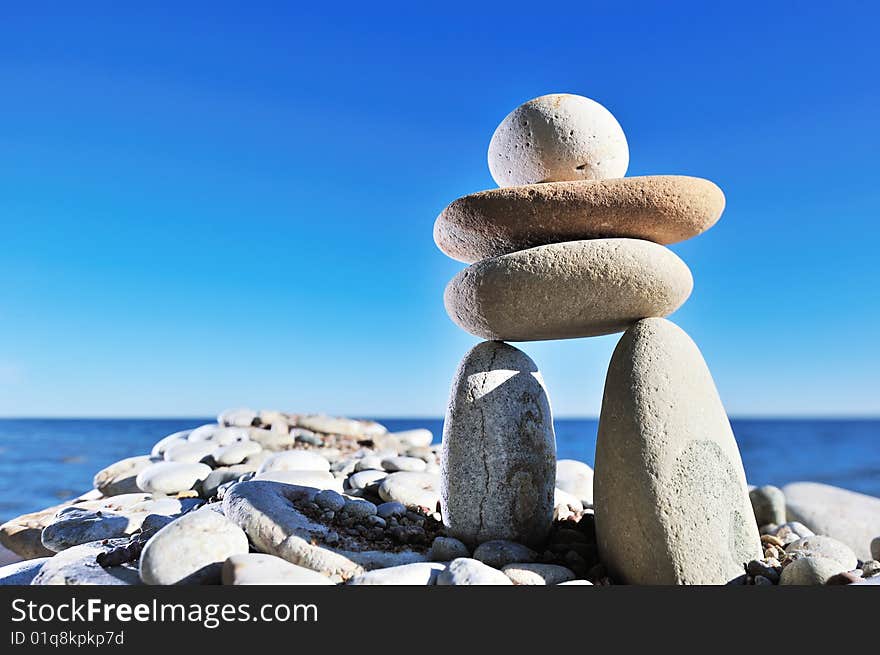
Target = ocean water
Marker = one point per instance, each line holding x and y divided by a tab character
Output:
44	461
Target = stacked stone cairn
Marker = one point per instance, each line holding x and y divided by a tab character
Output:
568	247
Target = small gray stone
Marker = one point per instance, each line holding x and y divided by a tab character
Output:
500	552
822	546
871	568
524	573
465	571
446	549
191	549
768	504
416	574
21	573
394	464
366	479
330	500
810	571
875	548
359	508
387	510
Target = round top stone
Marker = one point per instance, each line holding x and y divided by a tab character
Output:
557	137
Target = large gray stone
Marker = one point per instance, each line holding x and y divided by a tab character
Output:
567	290
670	490
191	549
498	462
113	518
850	517
267	512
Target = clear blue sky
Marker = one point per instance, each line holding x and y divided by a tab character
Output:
232	204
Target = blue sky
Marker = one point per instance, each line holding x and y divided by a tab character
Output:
232	204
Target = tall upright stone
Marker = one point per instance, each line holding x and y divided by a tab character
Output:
670	492
499	451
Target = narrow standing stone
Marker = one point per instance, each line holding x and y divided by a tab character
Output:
499	451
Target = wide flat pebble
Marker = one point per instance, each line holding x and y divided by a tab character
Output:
664	209
261	569
465	571
567	290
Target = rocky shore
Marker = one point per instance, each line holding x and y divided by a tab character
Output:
567	248
258	498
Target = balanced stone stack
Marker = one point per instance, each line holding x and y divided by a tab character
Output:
568	247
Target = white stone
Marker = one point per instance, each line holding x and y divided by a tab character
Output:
78	566
21	573
576	478
235	453
189	451
171	477
175	438
313	479
261	569
191	549
416	574
465	571
295	460
557	137
419	437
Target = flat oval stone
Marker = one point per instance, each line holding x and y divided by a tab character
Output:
340	425
121	477
848	516
166	442
189	451
235	453
111	518
171	477
828	547
568	290
501	552
79	566
415	574
414	438
466	571
660	208
393	464
262	569
499	450
191	549
666	454
526	573
810	571
295	460
313	479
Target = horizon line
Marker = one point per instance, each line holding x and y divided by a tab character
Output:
565	417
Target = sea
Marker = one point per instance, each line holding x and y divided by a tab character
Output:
45	461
